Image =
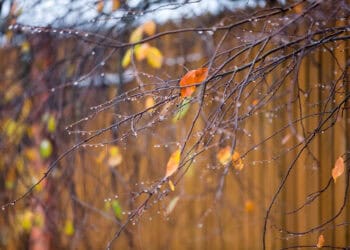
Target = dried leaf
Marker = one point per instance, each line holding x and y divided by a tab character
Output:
149	27
320	242
115	5
173	163
190	78
126	59
338	169
154	57
172	205
171	185
224	155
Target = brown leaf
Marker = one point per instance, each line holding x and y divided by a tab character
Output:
338	169
320	242
190	78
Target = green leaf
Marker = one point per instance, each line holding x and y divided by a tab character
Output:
45	148
117	209
182	111
51	124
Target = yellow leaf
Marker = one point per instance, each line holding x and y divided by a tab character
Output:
338	169
115	5
224	155
141	51
115	157
171	185
149	28
249	206
51	124
99	6
237	161
149	103
172	205
190	78
126	59
320	242
27	220
154	57
25	47
173	163
136	35
68	228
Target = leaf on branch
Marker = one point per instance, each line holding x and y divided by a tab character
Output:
320	241
172	205
154	57
192	77
338	169
237	161
182	111
173	163
149	103
117	209
141	51
126	59
149	27
136	35
224	155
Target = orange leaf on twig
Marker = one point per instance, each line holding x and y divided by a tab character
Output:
173	163
190	78
338	169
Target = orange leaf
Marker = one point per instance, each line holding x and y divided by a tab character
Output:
338	169
249	206
237	161
192	77
115	5
224	155
173	163
149	28
320	242
100	5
